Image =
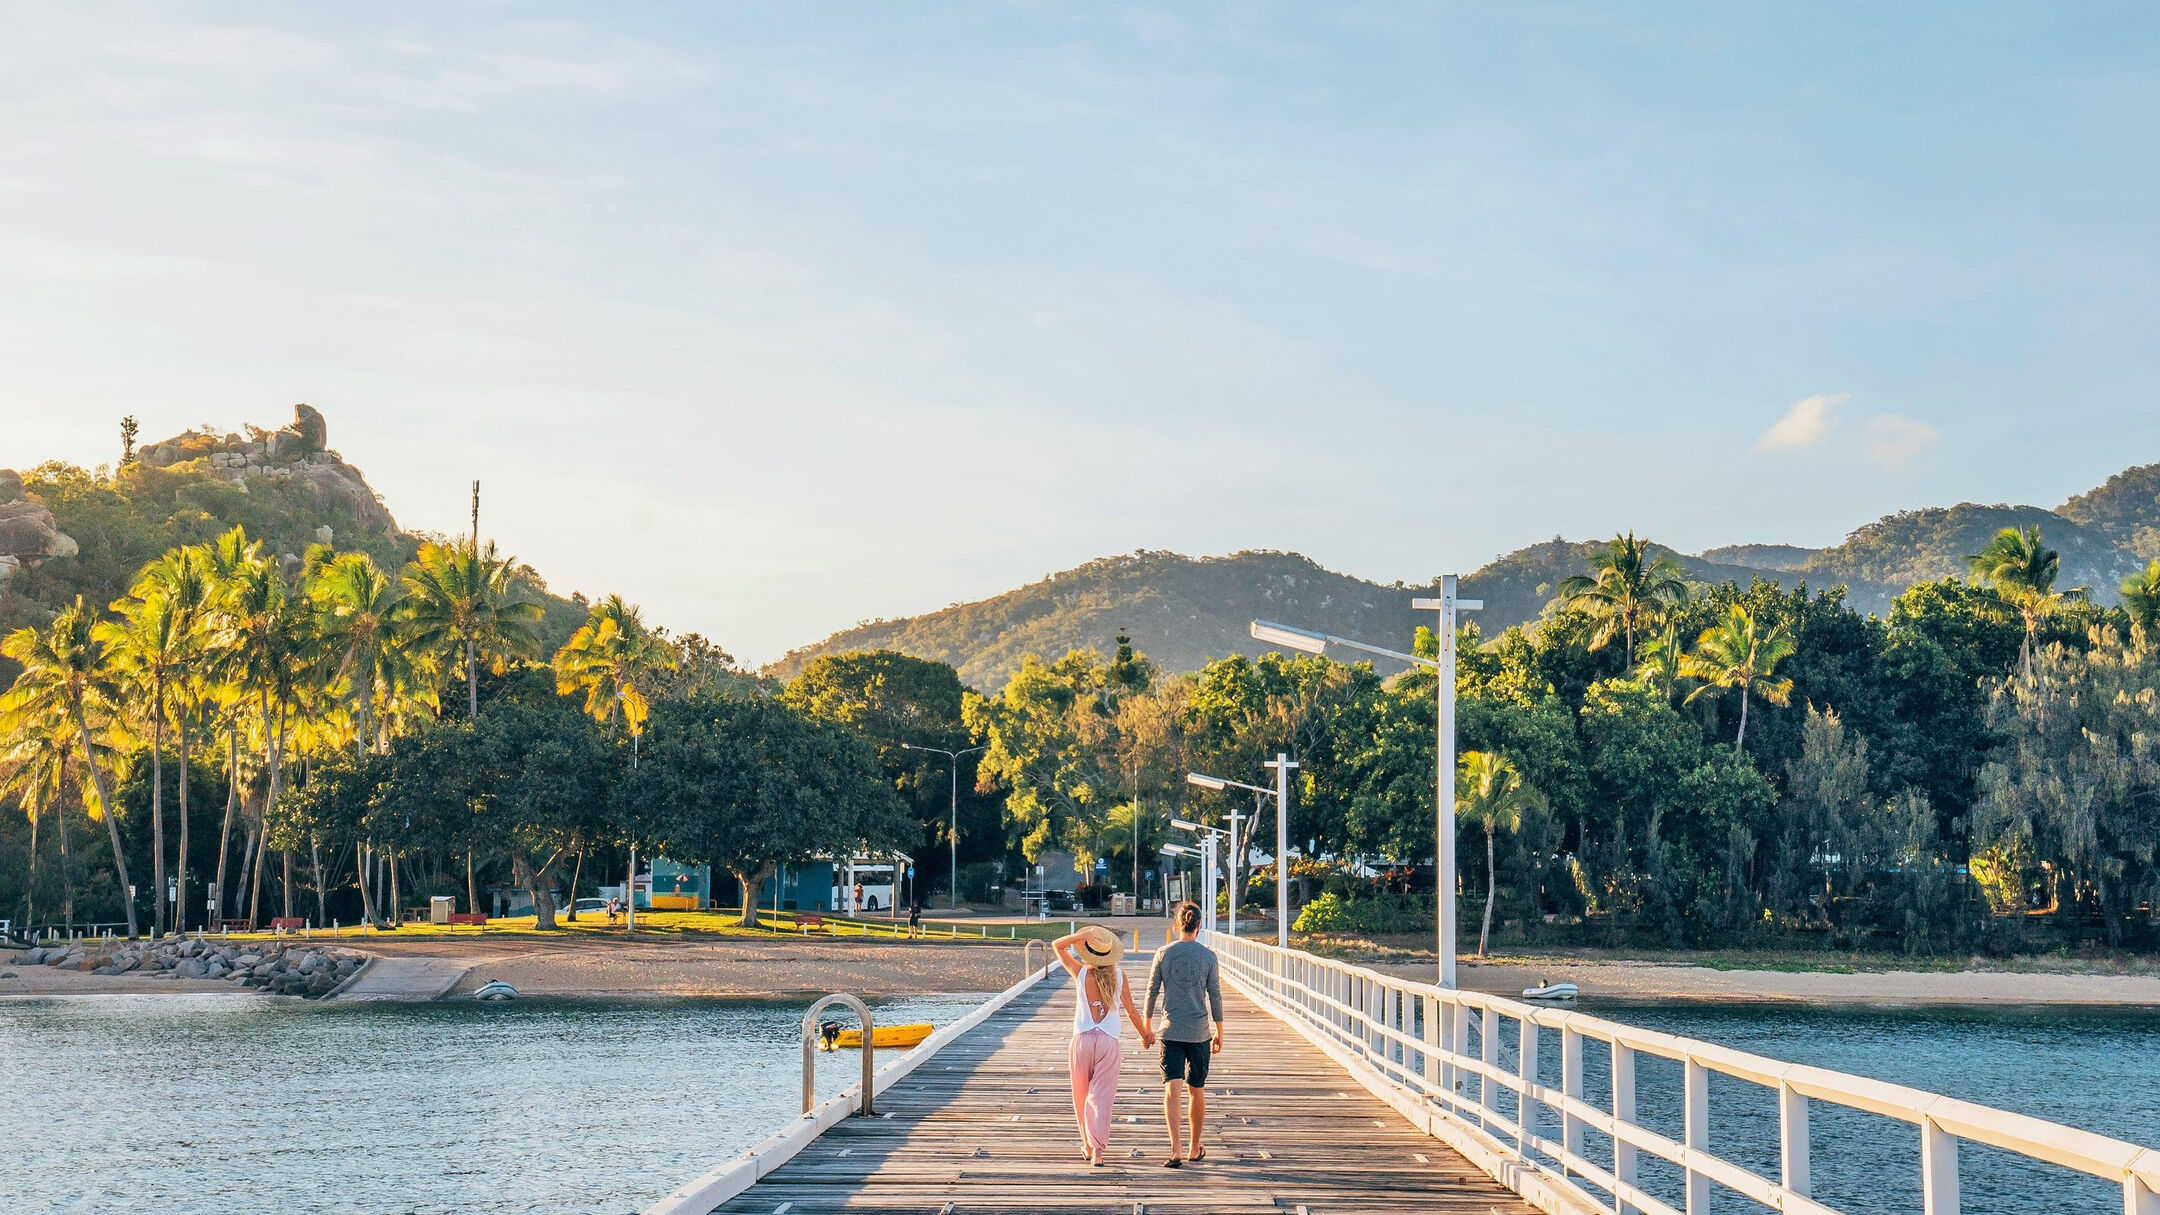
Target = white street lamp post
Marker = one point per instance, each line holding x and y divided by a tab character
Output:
952	835
1209	854
1447	605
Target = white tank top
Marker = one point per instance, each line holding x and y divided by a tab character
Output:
1083	1019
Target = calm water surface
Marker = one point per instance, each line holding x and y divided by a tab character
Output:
214	1105
219	1105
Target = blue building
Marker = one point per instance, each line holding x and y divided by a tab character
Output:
806	887
677	887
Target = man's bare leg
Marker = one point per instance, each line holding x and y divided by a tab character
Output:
1173	1095
1199	1115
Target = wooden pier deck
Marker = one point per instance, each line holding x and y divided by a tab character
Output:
987	1125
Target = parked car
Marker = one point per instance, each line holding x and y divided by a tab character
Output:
598	906
1060	900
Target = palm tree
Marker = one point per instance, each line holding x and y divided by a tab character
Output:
66	683
1731	656
470	601
1626	591
2141	598
148	647
181	576
34	771
360	621
609	660
221	697
1662	656
2022	572
267	628
1491	793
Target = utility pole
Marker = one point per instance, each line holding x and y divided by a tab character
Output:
1282	764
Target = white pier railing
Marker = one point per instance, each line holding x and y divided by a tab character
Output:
1467	1068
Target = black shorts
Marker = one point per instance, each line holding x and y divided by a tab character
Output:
1186	1061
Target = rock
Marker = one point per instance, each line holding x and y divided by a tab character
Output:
103	970
8	974
36	957
28	533
189	968
248	959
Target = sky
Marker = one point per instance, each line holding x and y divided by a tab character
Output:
778	318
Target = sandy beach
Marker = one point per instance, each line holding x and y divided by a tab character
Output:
599	967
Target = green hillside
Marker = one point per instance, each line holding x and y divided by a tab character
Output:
1183	611
68	531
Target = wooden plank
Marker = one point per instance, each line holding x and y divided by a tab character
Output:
989	1127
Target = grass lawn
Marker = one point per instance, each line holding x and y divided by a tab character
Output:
691	924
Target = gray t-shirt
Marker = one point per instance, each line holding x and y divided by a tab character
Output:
1187	982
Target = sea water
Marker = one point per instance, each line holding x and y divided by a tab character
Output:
214	1105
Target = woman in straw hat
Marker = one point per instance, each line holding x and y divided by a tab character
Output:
1091	957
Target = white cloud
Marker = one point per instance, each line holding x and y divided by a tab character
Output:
1893	439
1807	423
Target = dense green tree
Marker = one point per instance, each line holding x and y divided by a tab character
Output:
2141	598
896	701
751	785
2076	780
471	607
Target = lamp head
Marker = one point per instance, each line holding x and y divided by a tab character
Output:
1289	638
1186	825
1206	782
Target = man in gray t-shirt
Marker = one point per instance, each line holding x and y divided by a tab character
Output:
1188	983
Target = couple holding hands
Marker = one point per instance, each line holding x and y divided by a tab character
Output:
1186	984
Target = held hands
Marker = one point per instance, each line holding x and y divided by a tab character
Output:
1216	1041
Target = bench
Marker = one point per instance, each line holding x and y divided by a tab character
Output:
236	925
805	923
477	919
287	923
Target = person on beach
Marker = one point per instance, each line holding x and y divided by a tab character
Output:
1188	982
1091	957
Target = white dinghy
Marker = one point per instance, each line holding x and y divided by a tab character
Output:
1550	991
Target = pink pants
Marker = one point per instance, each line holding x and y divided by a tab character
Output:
1094	1082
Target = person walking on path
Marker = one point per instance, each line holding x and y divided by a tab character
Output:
1188	982
1091	957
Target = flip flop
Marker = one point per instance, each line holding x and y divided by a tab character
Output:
1198	1154
1173	1163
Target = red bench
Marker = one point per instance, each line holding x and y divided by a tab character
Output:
808	922
236	925
287	923
475	918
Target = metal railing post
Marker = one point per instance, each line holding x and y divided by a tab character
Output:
1623	1109
1697	1135
1938	1170
1435	1070
1571	1127
809	1050
1526	1050
1027	956
2139	1198
1489	1051
1793	1140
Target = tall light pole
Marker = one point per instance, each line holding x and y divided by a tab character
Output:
1210	839
1447	605
1281	793
952	835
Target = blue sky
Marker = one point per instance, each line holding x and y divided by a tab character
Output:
777	318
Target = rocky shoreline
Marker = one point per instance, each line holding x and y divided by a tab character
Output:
280	968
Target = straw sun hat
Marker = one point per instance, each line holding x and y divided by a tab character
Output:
1098	946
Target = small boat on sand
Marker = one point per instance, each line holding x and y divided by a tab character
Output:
884	1036
1550	991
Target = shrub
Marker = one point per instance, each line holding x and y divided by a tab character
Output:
1373	913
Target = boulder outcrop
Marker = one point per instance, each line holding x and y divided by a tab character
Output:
297	451
28	534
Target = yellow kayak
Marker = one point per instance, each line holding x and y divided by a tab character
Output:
886	1036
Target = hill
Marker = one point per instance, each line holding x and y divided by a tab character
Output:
1183	611
68	531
